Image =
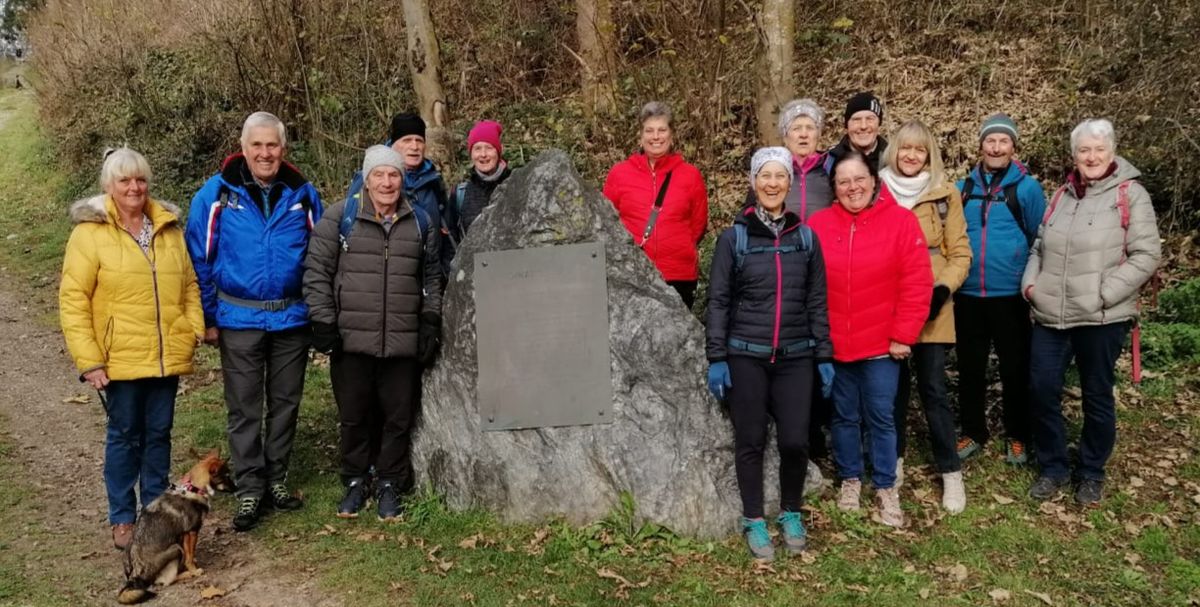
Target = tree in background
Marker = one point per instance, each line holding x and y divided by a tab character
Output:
597	52
777	30
424	61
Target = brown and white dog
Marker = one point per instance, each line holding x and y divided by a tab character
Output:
164	537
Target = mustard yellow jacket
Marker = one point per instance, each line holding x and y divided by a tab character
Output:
949	253
134	314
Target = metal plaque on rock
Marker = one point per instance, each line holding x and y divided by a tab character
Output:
541	321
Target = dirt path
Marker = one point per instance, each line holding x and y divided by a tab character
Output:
60	446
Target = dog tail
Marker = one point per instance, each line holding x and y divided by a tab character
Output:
135	591
137	586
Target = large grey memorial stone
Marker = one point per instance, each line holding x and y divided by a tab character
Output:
669	444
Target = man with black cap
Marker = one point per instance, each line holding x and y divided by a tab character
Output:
864	114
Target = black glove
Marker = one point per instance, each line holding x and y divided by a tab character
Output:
325	337
940	294
429	337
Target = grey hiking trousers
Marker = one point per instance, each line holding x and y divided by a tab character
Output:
258	364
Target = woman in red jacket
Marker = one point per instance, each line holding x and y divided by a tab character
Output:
662	201
879	287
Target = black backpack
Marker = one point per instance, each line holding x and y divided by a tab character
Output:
1010	201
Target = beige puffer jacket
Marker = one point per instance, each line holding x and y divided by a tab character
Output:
949	254
1084	268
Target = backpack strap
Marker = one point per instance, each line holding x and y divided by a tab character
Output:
1123	209
741	242
1014	206
658	205
223	195
349	216
460	197
802	238
1053	204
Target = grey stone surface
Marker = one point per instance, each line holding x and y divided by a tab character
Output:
670	445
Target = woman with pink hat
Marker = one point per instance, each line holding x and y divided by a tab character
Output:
488	170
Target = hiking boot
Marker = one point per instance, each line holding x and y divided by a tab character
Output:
954	495
355	498
795	539
122	534
388	501
282	500
899	472
1045	487
1015	453
890	513
1089	492
248	514
850	495
758	540
967	447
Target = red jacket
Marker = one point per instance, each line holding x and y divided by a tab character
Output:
632	187
878	274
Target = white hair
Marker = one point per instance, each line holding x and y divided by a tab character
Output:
797	108
264	119
1096	128
121	163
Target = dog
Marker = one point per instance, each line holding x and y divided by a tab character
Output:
164	537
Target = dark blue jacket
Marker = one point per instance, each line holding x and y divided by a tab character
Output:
237	250
999	247
776	300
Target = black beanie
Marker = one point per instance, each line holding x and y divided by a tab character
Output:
404	125
865	100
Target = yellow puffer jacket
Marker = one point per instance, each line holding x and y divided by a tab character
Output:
135	314
949	253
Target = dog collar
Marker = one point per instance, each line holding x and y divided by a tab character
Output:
185	486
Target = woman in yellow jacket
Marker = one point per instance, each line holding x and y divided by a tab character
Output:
915	176
130	311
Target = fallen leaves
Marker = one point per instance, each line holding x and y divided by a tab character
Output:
1002	500
623	584
79	399
1000	595
211	592
1041	596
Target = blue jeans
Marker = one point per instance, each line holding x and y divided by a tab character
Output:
864	392
138	447
1096	349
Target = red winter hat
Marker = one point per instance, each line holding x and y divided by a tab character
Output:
487	131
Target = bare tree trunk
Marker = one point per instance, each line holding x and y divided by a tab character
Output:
777	25
425	64
597	52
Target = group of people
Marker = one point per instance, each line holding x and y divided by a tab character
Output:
261	269
846	273
852	270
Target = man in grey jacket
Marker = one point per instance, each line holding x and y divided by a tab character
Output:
373	285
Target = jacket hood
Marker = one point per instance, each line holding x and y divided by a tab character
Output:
235	172
1015	172
666	163
417	178
99	209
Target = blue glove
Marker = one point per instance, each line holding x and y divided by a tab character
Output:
719	379
826	371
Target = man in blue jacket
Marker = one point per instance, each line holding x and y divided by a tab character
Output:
247	233
1003	205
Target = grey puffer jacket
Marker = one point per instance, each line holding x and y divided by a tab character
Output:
1084	268
377	290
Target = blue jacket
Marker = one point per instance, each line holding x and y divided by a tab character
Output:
239	252
424	188
999	247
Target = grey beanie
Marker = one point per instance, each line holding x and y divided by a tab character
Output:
998	123
797	108
381	155
765	155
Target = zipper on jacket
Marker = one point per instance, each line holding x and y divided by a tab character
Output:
987	206
162	365
778	299
1062	308
849	271
386	256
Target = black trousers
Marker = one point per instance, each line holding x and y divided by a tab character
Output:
686	290
979	323
375	392
762	391
929	361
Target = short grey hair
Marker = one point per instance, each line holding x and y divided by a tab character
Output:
797	108
264	119
1098	128
656	109
121	163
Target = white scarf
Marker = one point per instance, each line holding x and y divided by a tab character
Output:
906	190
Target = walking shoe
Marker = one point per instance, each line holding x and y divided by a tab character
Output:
954	495
122	533
1045	487
967	447
758	540
1089	492
795	539
890	513
355	498
248	513
282	500
850	495
899	472
388	501
1015	453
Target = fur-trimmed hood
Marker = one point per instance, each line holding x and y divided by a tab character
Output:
100	209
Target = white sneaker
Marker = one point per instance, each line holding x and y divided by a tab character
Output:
850	495
954	495
899	472
890	513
